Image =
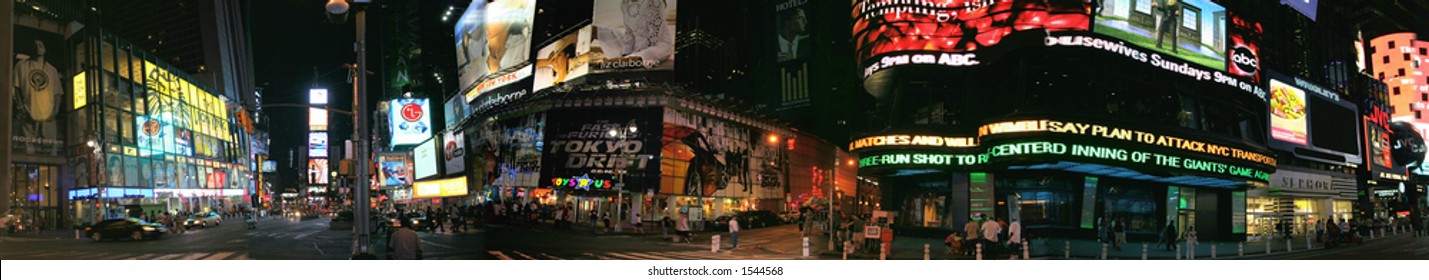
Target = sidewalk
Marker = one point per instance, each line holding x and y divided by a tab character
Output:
42	235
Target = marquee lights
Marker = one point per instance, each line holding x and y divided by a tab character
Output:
1123	134
912	140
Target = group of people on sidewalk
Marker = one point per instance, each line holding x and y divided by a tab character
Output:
996	236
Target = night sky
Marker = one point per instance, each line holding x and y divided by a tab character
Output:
290	39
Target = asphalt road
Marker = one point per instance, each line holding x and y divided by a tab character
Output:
294	239
1399	247
223	242
541	242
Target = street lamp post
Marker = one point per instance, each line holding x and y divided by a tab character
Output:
361	202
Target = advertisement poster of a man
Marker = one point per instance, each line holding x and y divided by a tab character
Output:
38	92
1192	30
793	34
634	35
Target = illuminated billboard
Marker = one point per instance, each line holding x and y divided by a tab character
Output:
317	119
1192	30
424	159
440	188
155	137
889	33
633	35
409	120
317	96
455	110
563	60
317	144
1287	113
492	37
454	151
317	171
269	166
1305	117
394	169
1244	52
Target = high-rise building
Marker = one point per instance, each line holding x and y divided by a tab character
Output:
1398	60
207	38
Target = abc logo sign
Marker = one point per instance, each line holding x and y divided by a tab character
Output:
1245	60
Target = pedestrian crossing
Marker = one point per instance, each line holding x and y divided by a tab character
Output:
670	255
283	234
80	255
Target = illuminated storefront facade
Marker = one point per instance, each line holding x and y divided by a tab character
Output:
1089	122
138	123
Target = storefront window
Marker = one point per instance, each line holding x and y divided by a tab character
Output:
1134	206
1048	208
1043	200
36	194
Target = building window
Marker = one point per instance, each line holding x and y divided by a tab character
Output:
1423	51
1418	115
1406	56
1386	59
1423	96
1381	76
1391	44
1396	90
1401	72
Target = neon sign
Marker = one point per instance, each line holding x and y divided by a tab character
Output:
1125	155
925	159
584	182
912	140
1124	135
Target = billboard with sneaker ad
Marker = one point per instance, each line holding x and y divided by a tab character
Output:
602	150
1299	108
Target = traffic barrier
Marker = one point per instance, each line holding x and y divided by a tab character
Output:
806	247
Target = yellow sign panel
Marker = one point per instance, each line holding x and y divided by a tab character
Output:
912	140
81	91
1123	134
439	188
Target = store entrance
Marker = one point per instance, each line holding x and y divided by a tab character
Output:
36	195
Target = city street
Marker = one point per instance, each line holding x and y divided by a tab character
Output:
224	242
544	243
1397	247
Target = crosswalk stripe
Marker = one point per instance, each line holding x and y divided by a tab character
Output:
548	256
141	257
499	255
194	256
646	256
219	256
599	256
306	234
523	255
243	256
626	256
94	256
169	256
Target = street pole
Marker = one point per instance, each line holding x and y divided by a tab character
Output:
831	198
359	193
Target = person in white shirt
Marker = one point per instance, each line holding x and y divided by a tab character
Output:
1014	236
990	231
733	233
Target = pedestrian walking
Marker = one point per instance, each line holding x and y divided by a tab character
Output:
682	227
1101	229
973	232
1120	228
990	231
594	222
1014	236
665	224
403	243
734	233
605	219
1191	241
1168	236
638	223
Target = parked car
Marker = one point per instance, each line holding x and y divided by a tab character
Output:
418	220
203	220
132	228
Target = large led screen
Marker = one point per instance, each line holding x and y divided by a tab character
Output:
410	122
317	96
454	151
890	33
394	170
317	171
317	119
317	144
424	159
455	110
1288	119
155	137
563	60
1244	52
633	35
1193	30
492	37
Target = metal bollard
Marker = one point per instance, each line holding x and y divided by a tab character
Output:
1289	248
845	250
1267	247
1240	249
1213	251
76	234
979	251
806	247
925	251
1371	234
714	244
1103	251
1309	245
1024	250
1178	251
1067	251
1143	251
883	252
1381	233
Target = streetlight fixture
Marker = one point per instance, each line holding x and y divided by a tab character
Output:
337	12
